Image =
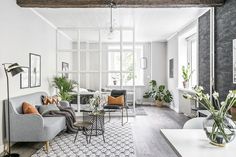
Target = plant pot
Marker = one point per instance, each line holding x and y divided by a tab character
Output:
159	103
233	113
114	82
185	84
219	131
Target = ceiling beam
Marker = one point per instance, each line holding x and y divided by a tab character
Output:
120	3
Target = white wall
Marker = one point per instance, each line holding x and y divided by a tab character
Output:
175	50
159	71
23	32
172	83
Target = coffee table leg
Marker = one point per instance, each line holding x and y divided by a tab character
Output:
91	131
76	135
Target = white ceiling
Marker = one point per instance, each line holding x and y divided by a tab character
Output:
151	24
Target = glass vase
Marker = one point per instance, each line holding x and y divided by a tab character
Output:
219	130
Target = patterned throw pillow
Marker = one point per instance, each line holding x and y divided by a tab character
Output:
50	100
27	108
116	100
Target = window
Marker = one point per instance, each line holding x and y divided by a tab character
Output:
192	58
120	70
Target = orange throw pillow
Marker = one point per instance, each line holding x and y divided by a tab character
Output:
116	100
29	109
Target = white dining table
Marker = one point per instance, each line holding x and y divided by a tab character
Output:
194	143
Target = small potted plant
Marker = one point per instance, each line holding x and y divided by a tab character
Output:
115	78
186	74
159	94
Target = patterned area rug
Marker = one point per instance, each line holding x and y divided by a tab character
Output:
119	143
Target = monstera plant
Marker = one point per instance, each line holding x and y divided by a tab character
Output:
160	94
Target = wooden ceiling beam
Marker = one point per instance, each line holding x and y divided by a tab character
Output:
120	3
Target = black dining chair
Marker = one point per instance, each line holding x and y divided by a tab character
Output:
112	107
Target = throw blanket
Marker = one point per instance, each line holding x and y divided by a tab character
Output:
68	113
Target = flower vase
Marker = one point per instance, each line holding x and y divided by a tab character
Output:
219	130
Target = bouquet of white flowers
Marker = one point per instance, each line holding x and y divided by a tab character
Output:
218	127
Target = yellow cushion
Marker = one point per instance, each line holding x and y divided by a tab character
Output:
116	100
29	109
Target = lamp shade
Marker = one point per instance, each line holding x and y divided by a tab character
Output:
15	69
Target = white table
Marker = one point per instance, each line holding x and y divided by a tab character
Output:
194	143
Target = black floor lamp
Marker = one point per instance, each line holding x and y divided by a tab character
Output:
14	69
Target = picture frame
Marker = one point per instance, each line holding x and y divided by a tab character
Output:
234	61
24	78
171	68
143	63
65	68
35	70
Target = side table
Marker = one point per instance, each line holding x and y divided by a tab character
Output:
97	120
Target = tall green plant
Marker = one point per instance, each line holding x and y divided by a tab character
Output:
65	86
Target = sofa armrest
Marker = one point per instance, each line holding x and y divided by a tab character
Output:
64	104
33	122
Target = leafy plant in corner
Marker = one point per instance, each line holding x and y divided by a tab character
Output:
65	86
159	94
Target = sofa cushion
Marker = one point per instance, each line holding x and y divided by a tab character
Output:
43	109
50	100
116	100
29	109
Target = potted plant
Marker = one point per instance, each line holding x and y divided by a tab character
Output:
65	86
115	78
186	74
159	94
219	128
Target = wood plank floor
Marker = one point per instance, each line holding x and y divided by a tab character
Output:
146	130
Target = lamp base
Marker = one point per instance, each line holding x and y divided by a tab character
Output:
12	155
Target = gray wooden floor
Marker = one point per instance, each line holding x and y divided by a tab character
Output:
146	130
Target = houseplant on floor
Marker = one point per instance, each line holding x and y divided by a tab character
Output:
218	126
159	94
186	74
65	87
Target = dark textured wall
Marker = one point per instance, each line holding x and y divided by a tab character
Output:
225	32
204	51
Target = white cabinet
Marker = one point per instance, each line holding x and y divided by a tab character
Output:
186	106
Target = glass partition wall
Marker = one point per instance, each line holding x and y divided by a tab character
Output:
98	60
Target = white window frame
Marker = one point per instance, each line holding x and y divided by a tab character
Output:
121	71
189	41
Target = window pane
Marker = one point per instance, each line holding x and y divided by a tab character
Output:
127	64
194	62
113	61
127	79
114	79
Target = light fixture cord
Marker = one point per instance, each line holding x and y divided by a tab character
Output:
111	28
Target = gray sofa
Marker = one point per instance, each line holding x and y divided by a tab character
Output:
29	127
